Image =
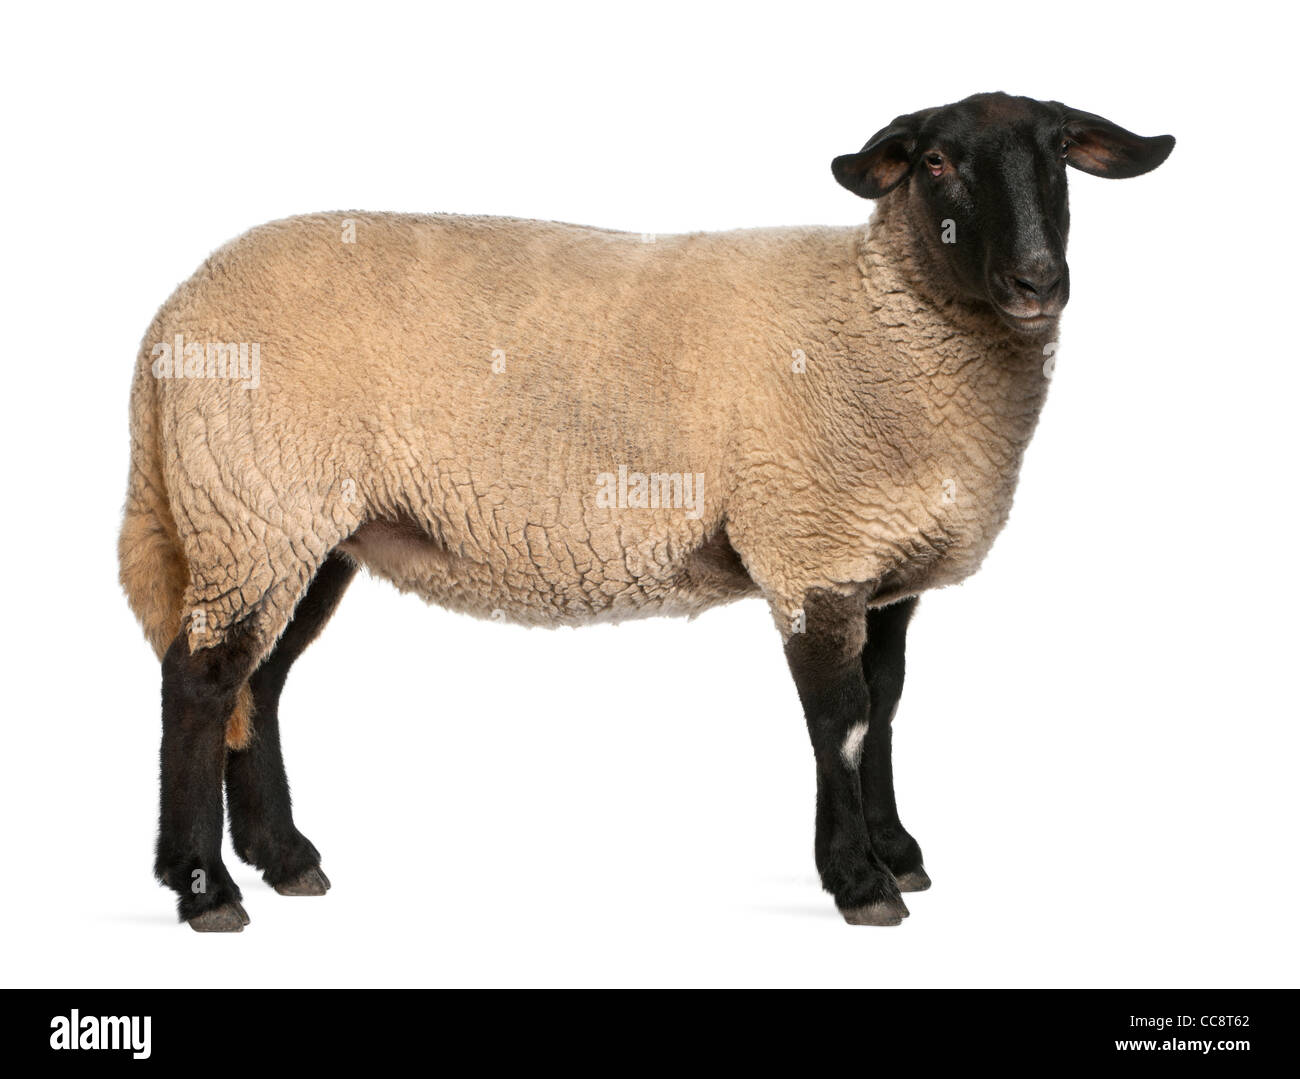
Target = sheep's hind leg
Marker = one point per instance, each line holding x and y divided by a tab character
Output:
198	694
826	663
257	788
883	666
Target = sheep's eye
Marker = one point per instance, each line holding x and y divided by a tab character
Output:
1065	147
934	162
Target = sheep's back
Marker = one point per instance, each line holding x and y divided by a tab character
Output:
470	381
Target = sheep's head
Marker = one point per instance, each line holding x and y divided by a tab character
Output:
984	182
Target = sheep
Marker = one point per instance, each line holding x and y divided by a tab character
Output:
559	425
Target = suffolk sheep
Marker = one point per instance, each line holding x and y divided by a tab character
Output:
558	425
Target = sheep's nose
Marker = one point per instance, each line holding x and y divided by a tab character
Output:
1033	283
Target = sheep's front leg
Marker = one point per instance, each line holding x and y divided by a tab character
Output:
198	694
826	663
883	666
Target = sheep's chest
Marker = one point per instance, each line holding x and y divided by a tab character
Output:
956	475
937	529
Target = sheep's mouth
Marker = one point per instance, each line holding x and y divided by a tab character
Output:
1028	324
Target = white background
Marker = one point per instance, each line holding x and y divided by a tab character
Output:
1098	741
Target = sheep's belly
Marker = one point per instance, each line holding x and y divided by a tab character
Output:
519	590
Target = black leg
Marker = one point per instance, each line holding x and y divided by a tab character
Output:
198	694
883	666
257	789
826	662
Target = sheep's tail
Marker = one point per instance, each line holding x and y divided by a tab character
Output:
151	561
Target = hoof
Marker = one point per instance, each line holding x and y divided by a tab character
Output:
227	918
308	882
885	912
914	880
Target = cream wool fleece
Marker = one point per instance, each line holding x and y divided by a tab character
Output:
446	398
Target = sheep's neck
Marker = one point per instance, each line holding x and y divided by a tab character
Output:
945	389
915	325
901	277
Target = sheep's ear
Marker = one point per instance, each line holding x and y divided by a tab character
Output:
1104	149
884	162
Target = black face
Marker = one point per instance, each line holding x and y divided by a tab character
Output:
986	190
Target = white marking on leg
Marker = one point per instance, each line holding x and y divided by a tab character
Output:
851	751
